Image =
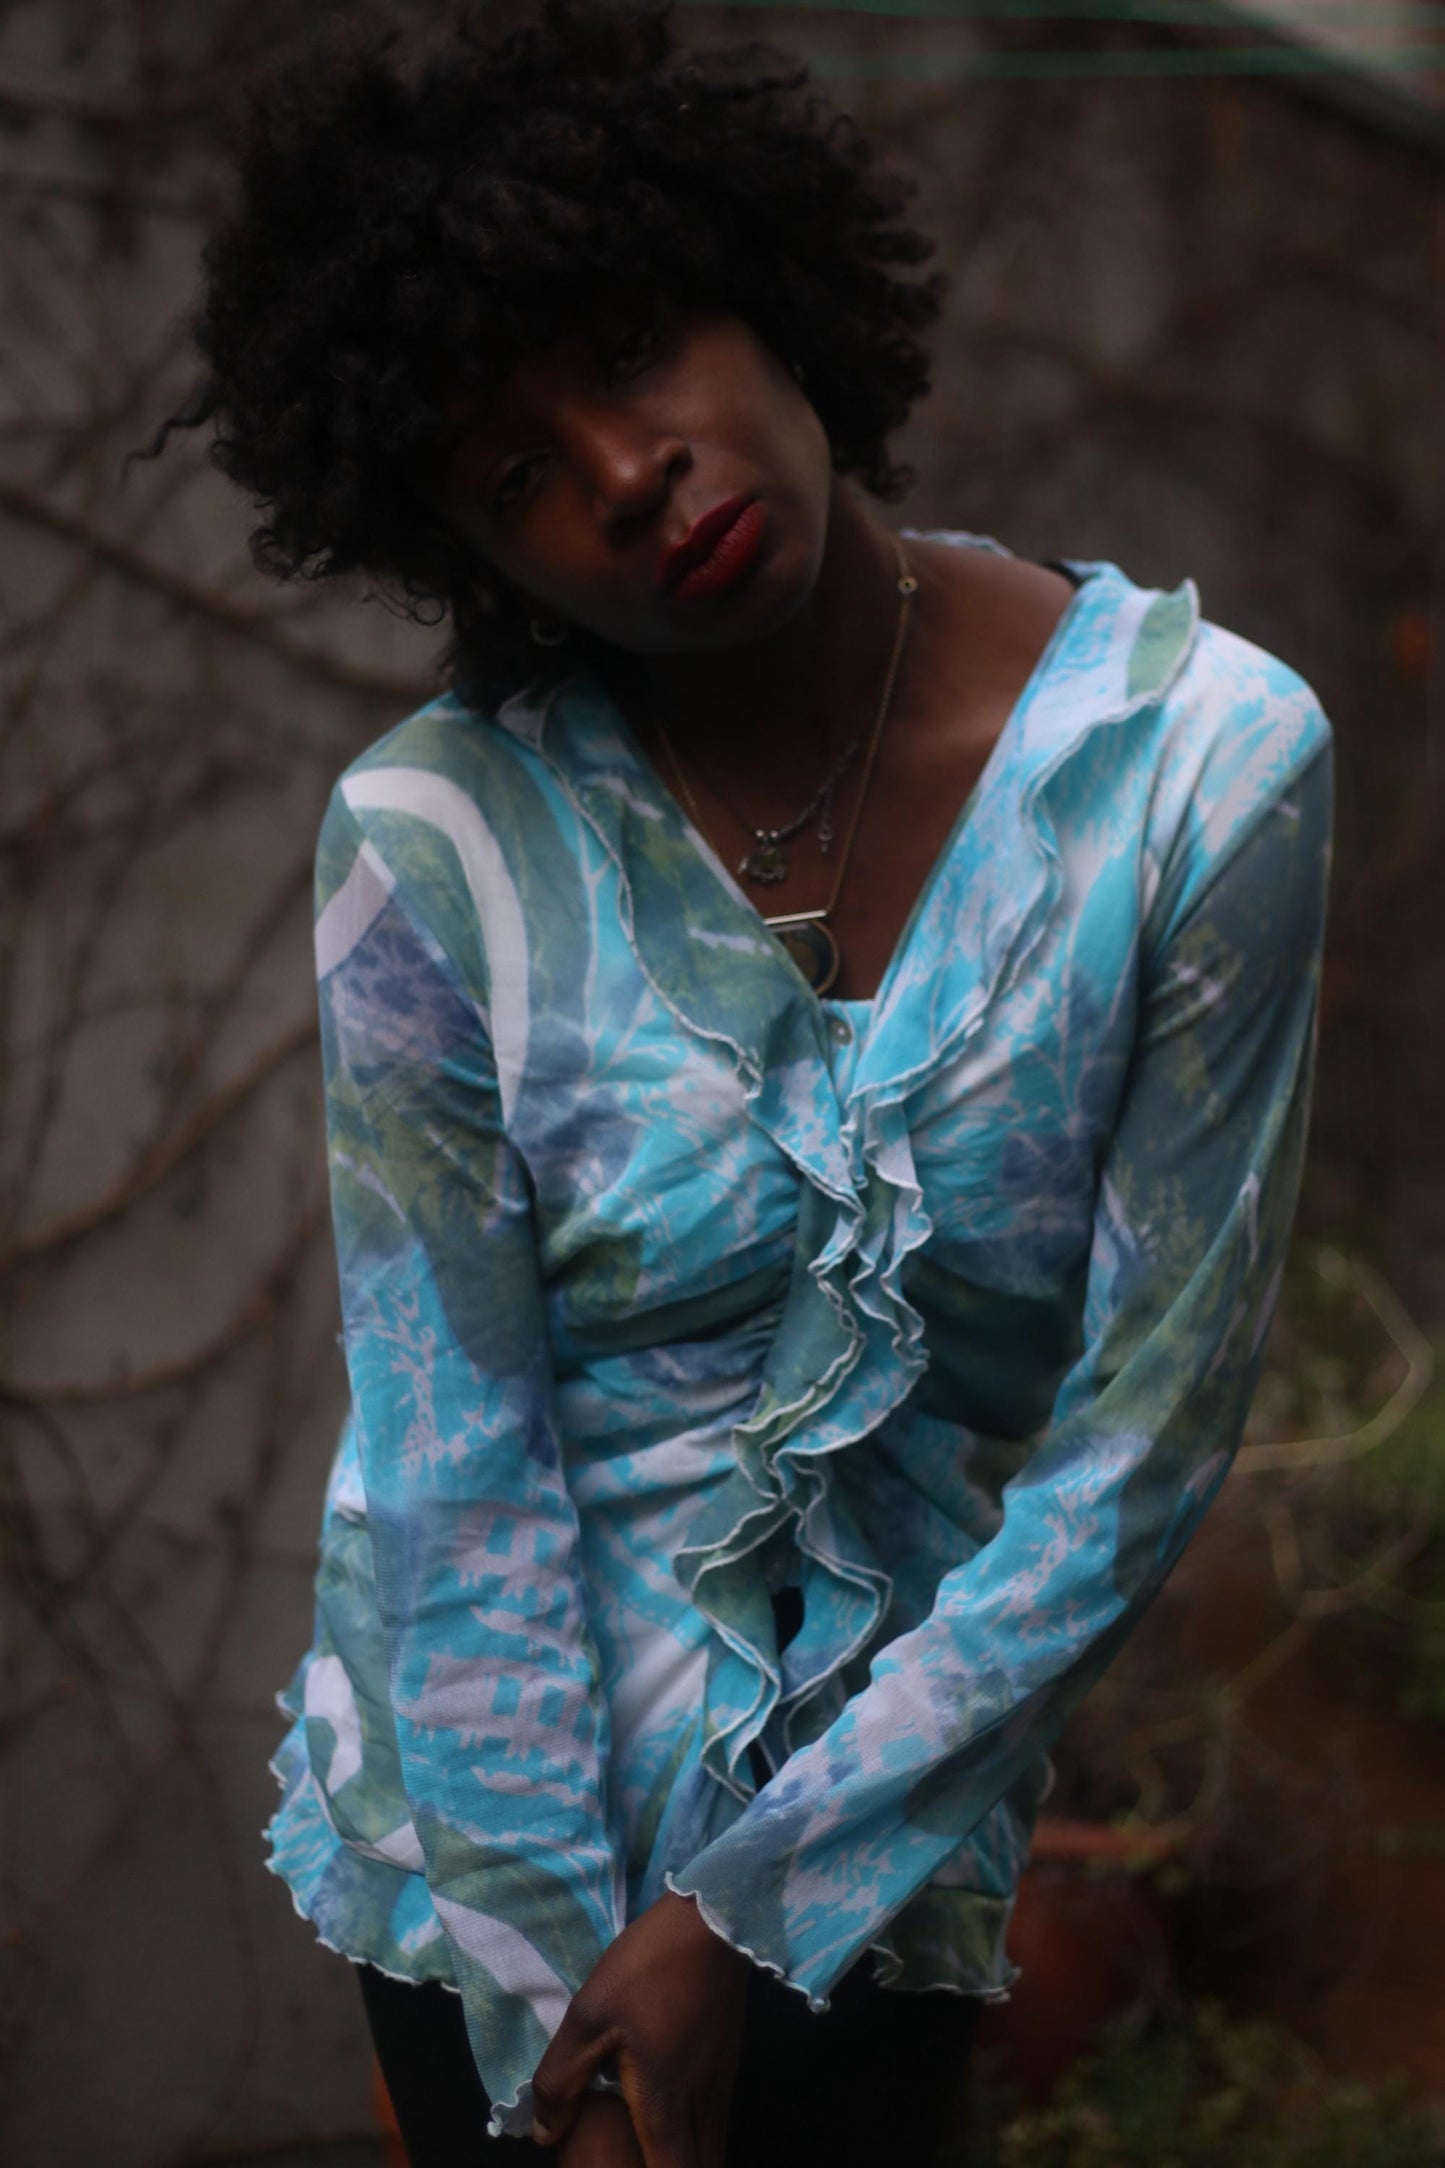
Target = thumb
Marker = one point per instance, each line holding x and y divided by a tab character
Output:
577	2050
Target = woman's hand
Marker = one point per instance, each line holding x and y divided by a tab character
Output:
602	2136
665	2005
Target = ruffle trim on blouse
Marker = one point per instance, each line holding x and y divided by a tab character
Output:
360	1906
947	1940
816	2003
513	2118
849	1345
337	1890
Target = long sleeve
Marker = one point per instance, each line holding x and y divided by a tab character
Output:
500	1724
1192	1218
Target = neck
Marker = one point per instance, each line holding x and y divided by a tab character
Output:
785	702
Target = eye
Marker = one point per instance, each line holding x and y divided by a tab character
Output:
513	483
633	348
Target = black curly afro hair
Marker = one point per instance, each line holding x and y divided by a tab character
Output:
405	221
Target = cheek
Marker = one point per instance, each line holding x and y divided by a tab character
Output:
799	447
539	552
798	459
782	410
822	450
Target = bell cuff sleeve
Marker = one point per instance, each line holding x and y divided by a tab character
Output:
501	1728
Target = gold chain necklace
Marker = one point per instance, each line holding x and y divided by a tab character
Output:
767	861
806	935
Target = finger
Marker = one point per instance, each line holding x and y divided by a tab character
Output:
712	2134
623	2150
680	2123
659	2121
561	2078
708	2127
602	2136
662	2145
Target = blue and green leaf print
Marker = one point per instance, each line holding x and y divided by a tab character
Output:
660	1295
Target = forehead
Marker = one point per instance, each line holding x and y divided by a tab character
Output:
482	387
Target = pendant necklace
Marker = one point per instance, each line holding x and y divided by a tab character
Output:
767	861
806	935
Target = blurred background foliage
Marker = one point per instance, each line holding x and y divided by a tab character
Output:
1194	327
1193	2089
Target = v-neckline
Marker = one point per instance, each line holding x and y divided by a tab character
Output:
997	753
956	538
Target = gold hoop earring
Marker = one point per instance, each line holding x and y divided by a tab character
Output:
547	632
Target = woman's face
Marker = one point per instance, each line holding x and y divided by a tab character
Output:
599	457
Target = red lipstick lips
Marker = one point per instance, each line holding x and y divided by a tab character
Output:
715	552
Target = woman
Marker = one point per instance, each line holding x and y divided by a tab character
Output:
817	1027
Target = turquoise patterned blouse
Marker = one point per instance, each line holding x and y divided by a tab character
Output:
668	1285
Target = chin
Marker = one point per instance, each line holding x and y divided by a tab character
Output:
784	580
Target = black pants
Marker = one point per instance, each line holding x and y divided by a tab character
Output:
869	2082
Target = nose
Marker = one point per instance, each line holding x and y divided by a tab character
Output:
630	464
